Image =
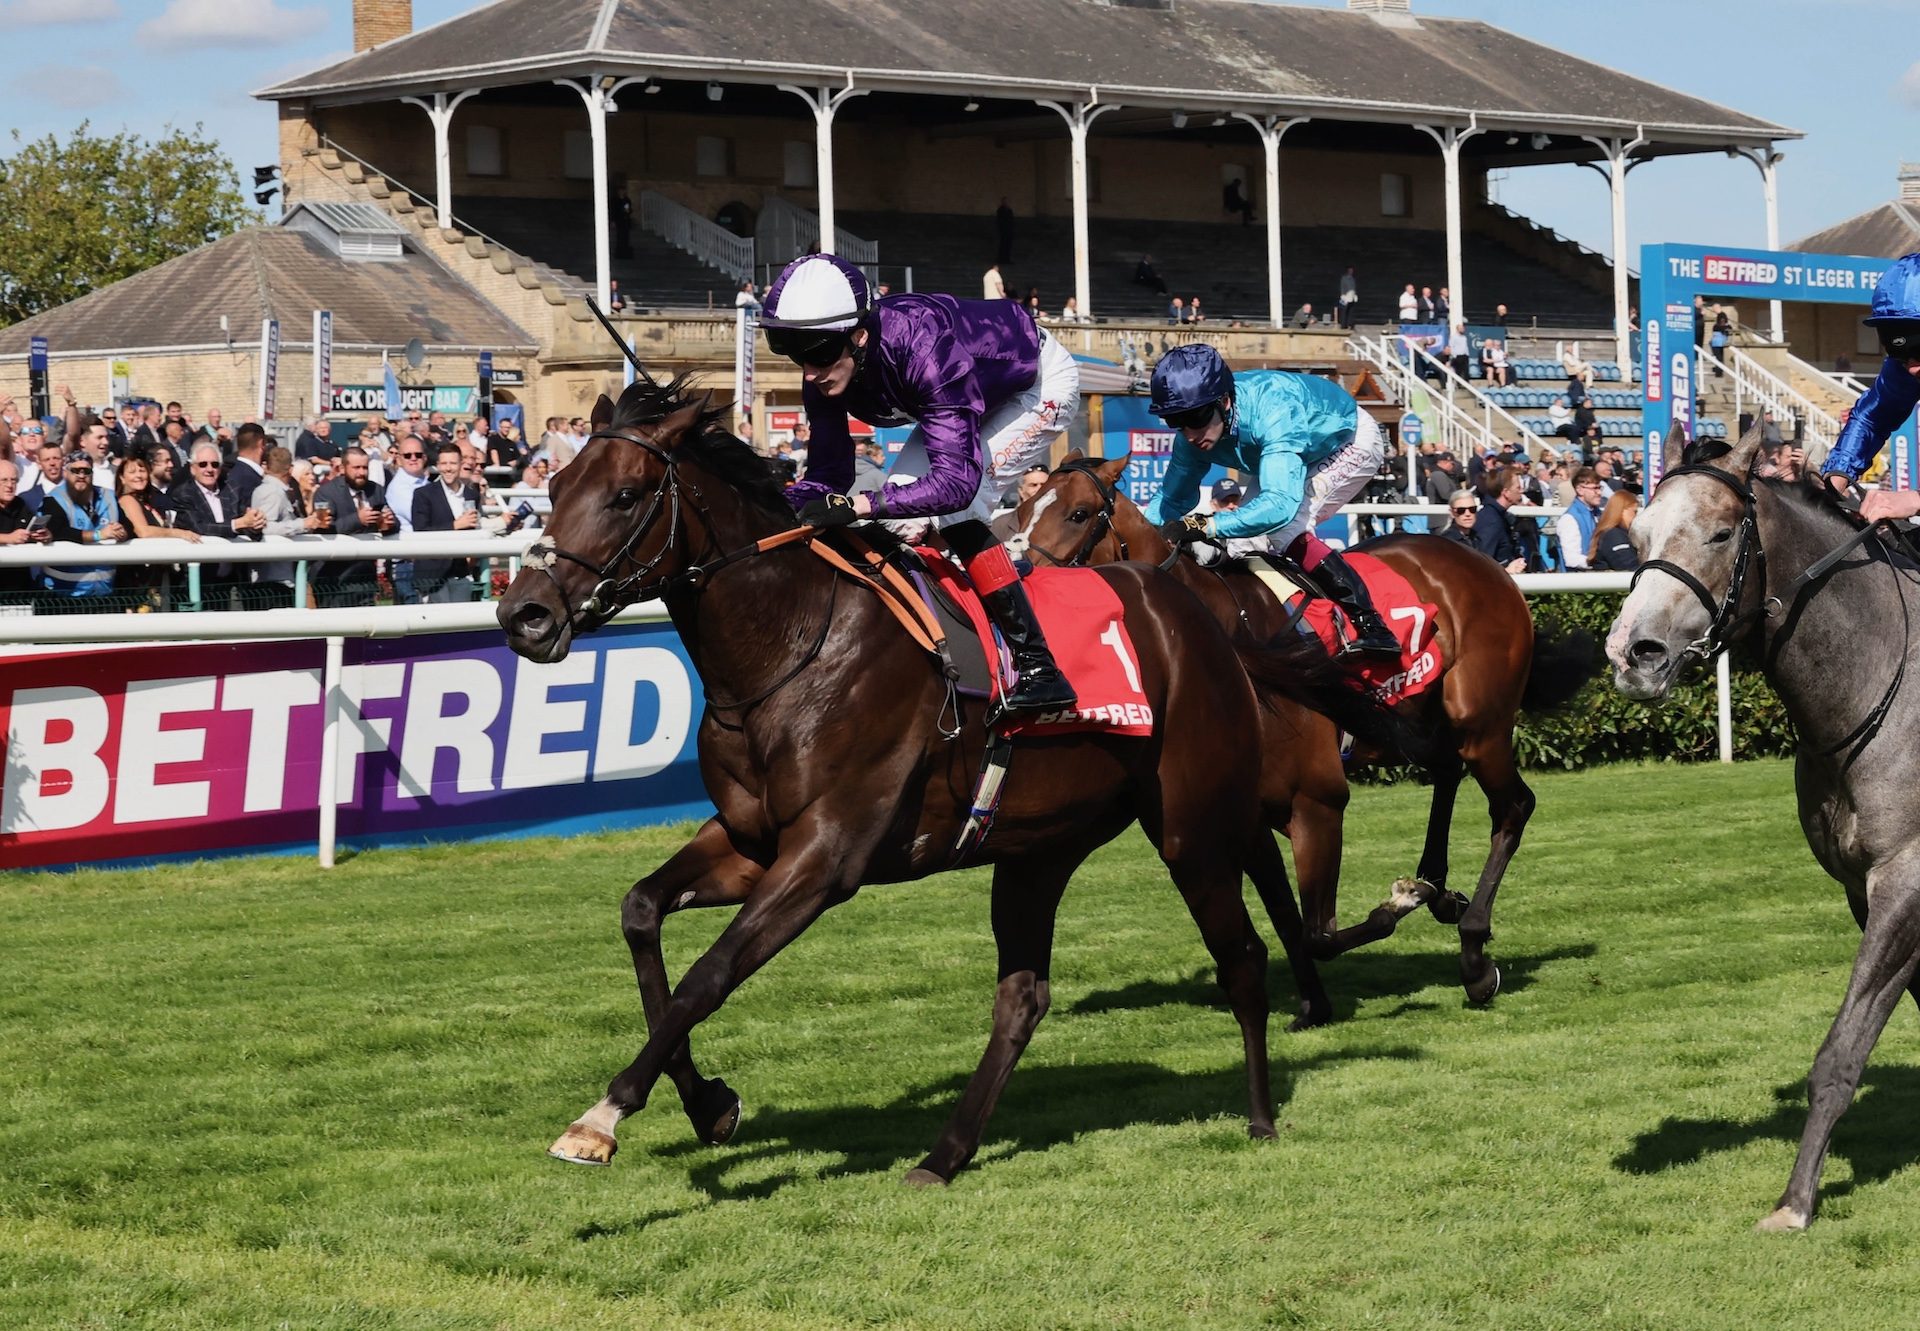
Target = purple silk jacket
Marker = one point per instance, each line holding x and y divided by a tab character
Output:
936	360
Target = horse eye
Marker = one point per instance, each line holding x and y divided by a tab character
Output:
1078	515
1723	535
627	498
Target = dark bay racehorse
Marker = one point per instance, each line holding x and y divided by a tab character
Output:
1722	553
1493	666
821	747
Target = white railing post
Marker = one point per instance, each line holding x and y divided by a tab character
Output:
1723	685
331	709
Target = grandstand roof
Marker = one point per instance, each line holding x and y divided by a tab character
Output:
1343	64
272	272
1886	232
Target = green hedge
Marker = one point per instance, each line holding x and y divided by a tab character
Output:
1601	726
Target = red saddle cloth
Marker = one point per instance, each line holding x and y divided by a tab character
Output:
1410	618
1086	630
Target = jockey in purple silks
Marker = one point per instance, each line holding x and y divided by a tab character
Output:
987	390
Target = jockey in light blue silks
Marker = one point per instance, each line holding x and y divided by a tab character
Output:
987	390
1891	398
1306	440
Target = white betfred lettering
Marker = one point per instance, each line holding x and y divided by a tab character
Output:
534	717
360	734
430	728
269	697
139	797
616	757
33	755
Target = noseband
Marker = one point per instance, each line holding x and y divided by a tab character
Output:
1102	521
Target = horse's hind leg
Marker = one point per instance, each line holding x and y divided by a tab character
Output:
1447	906
1026	897
707	871
1883	970
1269	873
1510	804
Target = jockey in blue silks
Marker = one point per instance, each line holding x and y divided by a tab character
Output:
987	389
1306	440
1891	398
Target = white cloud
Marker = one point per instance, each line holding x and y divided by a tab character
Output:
46	13
186	24
76	87
1910	86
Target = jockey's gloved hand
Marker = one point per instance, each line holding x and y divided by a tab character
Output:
1206	553
833	511
1182	530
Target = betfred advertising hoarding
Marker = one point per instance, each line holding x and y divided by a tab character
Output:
153	752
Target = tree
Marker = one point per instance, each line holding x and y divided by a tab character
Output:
95	209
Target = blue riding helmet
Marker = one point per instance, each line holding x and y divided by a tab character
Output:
1897	297
1188	378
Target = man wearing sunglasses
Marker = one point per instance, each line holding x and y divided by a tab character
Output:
987	390
1305	438
1890	400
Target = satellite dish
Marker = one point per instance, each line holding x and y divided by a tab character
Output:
416	353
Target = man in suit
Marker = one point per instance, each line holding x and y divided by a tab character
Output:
249	448
206	505
359	508
445	503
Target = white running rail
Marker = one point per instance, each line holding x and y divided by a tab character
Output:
686	230
785	230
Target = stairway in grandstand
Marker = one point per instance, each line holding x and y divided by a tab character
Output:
1226	266
559	233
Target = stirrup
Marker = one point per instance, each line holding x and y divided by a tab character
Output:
1041	689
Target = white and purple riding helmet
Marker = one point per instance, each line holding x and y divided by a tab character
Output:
813	308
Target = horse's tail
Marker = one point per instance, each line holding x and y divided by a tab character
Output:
1296	666
1561	664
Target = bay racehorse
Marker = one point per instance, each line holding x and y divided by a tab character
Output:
1724	552
1493	665
823	750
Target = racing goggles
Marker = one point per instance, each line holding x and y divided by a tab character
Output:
814	347
1901	341
1197	418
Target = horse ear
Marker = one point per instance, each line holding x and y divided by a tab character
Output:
1676	445
1744	453
602	415
1073	455
1114	468
673	428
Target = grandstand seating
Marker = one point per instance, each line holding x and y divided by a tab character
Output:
555	232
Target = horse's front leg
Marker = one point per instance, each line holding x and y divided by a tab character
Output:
707	871
801	883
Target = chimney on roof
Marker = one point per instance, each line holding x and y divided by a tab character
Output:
1382	6
1910	182
377	21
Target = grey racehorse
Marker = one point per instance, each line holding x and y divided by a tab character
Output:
1834	606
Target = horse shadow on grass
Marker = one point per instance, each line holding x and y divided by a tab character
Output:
1043	1106
1351	981
1875	1136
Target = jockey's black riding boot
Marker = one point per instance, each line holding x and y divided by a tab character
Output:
1041	688
1371	634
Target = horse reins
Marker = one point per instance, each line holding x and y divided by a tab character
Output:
1728	620
1102	521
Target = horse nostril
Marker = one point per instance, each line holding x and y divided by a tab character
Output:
531	619
1647	652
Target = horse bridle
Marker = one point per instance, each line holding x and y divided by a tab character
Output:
1102	521
1728	620
1725	617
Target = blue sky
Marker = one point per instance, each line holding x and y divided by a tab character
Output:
1847	72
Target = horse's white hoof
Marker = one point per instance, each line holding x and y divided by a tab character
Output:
1784	1220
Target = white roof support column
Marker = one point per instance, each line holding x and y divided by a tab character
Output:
1618	150
440	110
824	102
1080	115
1768	161
1271	130
1451	138
597	93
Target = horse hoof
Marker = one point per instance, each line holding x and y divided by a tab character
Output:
1448	907
922	1177
1784	1220
1408	894
581	1145
1310	1018
1481	991
719	1111
1261	1132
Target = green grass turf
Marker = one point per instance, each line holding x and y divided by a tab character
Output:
251	1094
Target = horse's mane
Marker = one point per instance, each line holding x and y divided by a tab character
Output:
648	401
